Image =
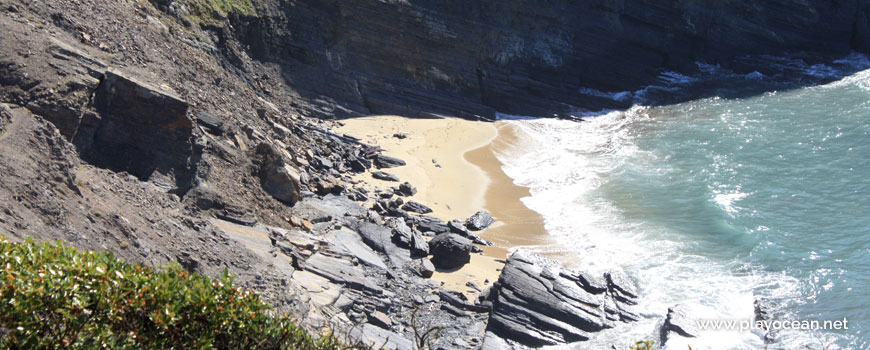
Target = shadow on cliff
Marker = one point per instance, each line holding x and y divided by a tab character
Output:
424	58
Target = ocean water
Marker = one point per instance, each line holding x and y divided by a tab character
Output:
717	202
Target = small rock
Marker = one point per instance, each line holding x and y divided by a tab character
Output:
415	207
381	175
210	122
479	221
406	189
423	267
400	135
382	161
380	319
323	162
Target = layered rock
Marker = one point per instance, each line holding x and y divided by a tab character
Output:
428	58
537	302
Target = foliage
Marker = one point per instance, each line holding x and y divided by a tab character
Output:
53	296
211	12
642	345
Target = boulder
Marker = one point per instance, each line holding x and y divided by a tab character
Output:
537	302
382	162
678	322
479	221
141	128
277	178
450	250
382	175
415	207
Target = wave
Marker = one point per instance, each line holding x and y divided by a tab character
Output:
568	165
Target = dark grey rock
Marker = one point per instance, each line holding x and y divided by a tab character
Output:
457	227
382	175
383	162
323	162
450	251
141	129
400	135
427	223
458	300
479	221
419	245
359	164
406	189
415	207
210	122
379	238
678	322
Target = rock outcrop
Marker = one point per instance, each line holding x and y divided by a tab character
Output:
536	58
537	302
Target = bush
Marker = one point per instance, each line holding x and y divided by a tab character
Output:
53	296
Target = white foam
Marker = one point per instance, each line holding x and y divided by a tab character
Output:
612	95
674	78
563	163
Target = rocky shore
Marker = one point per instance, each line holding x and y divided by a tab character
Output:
185	132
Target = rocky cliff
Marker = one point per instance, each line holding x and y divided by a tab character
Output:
181	131
527	57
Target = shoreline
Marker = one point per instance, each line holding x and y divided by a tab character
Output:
453	164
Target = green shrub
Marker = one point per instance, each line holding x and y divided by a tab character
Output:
53	296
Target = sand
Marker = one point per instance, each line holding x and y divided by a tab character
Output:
452	163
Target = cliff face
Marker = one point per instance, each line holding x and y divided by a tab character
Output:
526	57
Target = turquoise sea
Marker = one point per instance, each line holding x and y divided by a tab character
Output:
719	201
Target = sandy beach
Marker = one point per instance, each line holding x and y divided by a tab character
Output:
452	163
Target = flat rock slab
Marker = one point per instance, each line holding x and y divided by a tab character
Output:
415	207
383	175
380	239
320	290
342	272
257	240
330	207
382	161
380	338
351	243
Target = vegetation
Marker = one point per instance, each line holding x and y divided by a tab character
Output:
54	296
212	12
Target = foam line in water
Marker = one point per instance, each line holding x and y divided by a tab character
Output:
566	165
